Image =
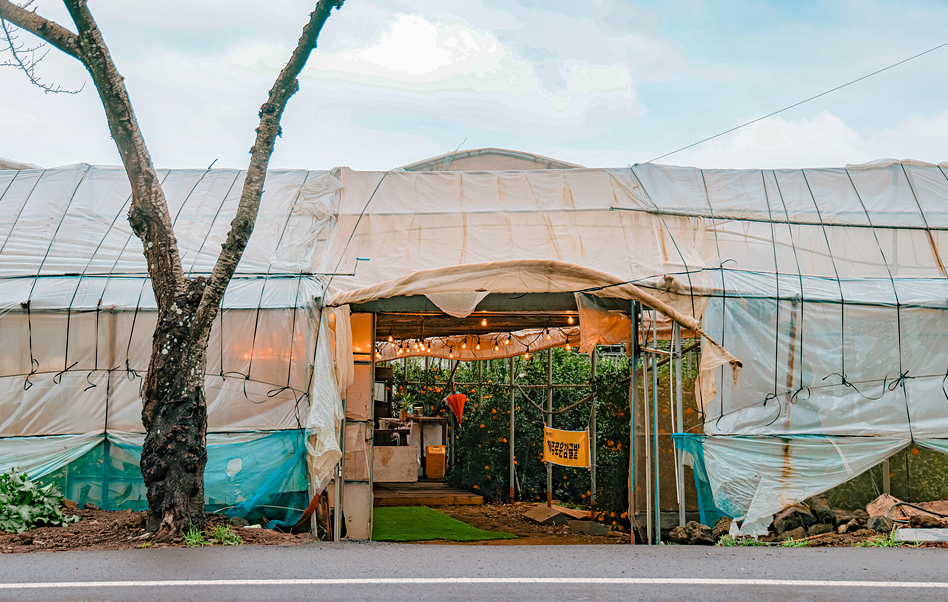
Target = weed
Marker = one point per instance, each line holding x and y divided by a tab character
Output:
225	536
884	541
750	542
727	541
147	544
790	543
194	538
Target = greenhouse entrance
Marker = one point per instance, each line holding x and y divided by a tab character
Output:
509	368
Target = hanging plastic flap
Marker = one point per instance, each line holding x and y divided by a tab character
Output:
326	412
40	456
457	304
752	478
598	325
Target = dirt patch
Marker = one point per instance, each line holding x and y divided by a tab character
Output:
120	530
509	519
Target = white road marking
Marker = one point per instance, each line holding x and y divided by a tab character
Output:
477	581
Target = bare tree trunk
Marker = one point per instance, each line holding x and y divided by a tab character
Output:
174	411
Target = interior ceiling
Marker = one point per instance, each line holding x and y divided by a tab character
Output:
413	325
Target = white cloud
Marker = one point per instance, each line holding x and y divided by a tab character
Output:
823	141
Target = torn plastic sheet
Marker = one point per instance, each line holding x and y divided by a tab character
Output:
752	478
326	412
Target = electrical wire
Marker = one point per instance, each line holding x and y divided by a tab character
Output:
797	104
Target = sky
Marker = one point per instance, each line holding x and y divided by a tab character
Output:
601	83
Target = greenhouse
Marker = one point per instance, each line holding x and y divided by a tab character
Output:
817	297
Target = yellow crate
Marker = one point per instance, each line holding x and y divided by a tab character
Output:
435	461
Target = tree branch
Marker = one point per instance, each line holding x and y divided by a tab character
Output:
47	30
25	59
271	112
148	214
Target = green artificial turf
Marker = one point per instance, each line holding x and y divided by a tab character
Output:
420	523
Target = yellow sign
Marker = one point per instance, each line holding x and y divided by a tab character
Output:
566	448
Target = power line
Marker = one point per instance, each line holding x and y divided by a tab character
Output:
797	104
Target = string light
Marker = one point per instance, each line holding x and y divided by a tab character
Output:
484	322
548	336
478	345
496	347
526	355
429	346
569	319
507	342
568	346
451	352
464	344
389	338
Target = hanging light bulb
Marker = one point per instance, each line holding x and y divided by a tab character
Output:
464	344
569	319
496	347
568	346
392	343
484	322
429	346
507	342
478	345
548	336
451	352
389	338
526	355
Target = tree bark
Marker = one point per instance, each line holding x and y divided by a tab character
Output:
174	411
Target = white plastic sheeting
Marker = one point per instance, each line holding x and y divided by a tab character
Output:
829	284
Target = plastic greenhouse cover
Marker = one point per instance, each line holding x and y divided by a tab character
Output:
754	477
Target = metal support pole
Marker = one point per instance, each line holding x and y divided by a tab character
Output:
513	474
549	423
340	478
648	452
632	375
680	427
655	453
594	358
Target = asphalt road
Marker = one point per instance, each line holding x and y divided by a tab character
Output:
404	572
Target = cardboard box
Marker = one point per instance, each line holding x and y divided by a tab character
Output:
435	461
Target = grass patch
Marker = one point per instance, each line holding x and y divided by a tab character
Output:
420	523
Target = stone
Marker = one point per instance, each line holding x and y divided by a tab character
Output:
850	527
69	504
700	535
795	534
821	509
91	506
924	521
880	523
819	529
797	515
861	515
721	527
841	517
239	521
679	535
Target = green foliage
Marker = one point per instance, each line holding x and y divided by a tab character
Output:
749	542
883	541
225	536
727	541
195	538
24	504
790	543
481	461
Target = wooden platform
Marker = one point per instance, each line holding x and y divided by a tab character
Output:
423	493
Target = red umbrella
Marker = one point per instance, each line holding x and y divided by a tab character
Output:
456	402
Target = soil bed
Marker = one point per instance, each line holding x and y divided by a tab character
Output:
119	530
